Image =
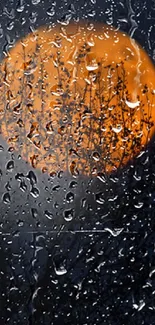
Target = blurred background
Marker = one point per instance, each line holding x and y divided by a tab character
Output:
77	250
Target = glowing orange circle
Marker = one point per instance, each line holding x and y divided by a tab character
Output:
78	98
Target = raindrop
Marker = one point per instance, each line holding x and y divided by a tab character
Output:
93	2
23	186
23	20
73	169
132	104
34	192
10	26
53	174
92	67
8	186
99	198
1	148
91	13
35	2
6	198
34	212
137	178
71	8
11	149
10	166
101	177
141	154
152	272
56	188
69	214
10	14
33	17
61	270
60	174
69	197
114	232
59	265
65	19
32	177
73	184
48	215
20	223
19	176
51	12
112	199
96	156
1	32
83	203
117	129
138	205
20	7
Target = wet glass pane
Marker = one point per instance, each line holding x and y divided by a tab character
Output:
77	122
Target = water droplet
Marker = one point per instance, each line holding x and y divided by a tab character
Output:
23	186
32	177
59	265
112	199
1	32
96	156
56	188
8	186
20	7
92	67
35	2
132	104
69	197
138	205
34	212
10	14
34	192
33	17
23	20
11	149
10	166
51	12
10	26
91	13
19	176
152	272
1	148
73	184
48	215
73	169
69	214
101	177
83	202
117	129
20	223
53	174
61	270
6	198
71	8
114	232
60	174
100	198
65	19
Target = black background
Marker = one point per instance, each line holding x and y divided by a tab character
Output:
98	267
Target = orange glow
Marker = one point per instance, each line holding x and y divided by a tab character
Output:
77	98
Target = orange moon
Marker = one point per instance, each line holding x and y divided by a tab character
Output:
77	98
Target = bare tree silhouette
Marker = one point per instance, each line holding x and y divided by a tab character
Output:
89	127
